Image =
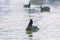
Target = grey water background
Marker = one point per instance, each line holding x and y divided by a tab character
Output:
14	18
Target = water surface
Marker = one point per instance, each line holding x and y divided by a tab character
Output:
14	18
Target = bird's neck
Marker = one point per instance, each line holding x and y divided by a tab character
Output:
29	4
30	25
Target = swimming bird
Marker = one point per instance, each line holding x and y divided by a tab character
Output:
46	8
31	27
28	6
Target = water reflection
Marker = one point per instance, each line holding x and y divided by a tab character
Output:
5	2
32	10
4	10
44	2
12	26
30	37
38	2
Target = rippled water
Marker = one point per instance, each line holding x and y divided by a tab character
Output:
14	18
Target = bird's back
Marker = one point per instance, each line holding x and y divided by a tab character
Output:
35	28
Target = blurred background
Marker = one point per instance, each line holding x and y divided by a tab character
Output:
14	19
